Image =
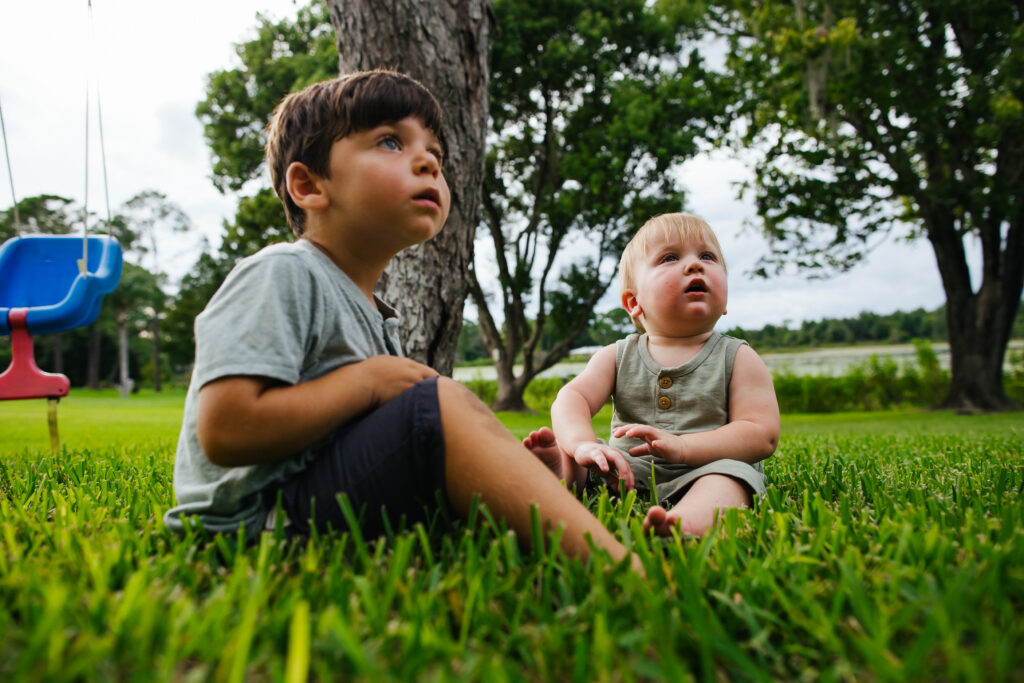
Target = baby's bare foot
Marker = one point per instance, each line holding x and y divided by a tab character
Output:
542	444
661	521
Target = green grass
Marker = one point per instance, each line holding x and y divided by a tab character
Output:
891	547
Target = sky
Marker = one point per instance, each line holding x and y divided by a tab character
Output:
151	59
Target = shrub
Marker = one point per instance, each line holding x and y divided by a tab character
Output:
1014	379
485	389
541	393
875	384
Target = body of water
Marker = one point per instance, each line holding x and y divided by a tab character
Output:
831	361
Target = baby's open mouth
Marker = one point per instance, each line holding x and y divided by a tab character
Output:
697	286
432	195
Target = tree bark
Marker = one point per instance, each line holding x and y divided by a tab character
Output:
58	353
979	333
156	352
510	395
122	352
444	44
92	368
979	322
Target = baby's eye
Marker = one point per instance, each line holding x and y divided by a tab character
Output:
389	142
708	256
668	258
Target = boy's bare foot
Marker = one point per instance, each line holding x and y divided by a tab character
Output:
542	443
661	521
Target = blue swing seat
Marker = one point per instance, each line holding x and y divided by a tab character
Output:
40	273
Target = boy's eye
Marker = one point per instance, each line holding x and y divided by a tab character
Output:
389	142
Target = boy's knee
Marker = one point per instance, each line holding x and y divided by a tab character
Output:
451	393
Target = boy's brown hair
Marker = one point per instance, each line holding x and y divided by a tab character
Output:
307	123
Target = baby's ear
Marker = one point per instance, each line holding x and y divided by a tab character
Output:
630	303
304	187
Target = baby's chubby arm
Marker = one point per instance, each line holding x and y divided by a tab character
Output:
572	412
751	434
249	420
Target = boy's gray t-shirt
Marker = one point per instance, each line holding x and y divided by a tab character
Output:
287	313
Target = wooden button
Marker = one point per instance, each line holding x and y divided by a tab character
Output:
665	382
664	402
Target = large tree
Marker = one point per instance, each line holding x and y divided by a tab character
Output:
893	118
592	104
445	46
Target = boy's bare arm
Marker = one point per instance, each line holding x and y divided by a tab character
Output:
572	412
244	420
751	435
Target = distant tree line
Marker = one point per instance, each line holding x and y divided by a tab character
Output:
866	328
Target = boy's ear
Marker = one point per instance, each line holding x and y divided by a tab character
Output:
630	303
305	188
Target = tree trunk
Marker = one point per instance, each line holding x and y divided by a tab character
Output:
979	331
56	361
92	368
510	389
156	352
979	323
444	45
122	352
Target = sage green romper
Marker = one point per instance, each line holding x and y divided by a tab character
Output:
693	397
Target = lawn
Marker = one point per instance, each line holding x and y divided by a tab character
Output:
890	547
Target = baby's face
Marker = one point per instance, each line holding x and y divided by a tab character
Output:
680	288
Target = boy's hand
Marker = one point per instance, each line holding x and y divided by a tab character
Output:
657	442
606	462
388	376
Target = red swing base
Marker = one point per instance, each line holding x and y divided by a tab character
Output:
24	379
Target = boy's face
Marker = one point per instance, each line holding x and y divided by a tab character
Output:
680	288
386	184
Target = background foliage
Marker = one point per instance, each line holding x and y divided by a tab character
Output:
592	107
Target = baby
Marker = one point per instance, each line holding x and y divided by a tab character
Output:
695	412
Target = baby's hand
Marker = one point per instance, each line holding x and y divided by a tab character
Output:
606	462
657	442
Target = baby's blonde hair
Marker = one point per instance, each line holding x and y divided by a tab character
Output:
686	227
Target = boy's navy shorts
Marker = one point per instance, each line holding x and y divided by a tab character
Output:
389	460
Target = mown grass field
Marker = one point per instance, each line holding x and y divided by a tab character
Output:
891	547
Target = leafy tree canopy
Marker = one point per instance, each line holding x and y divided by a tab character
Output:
591	104
45	213
878	118
283	57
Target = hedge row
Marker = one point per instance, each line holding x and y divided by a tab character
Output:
874	384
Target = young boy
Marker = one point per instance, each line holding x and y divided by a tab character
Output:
299	388
697	406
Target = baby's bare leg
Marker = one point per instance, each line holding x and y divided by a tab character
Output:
542	444
482	457
700	507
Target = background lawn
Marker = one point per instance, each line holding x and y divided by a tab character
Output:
891	546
